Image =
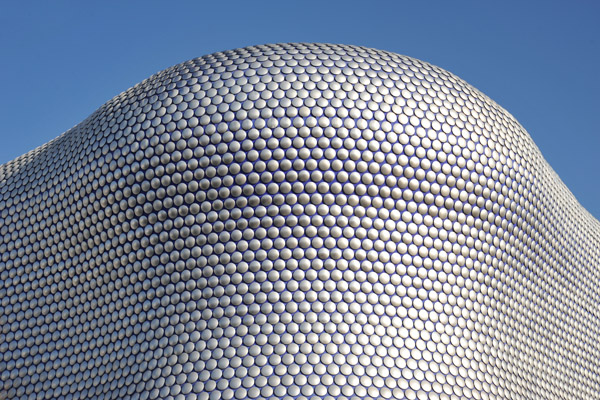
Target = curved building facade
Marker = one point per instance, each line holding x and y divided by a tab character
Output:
296	221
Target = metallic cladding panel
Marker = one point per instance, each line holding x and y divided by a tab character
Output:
296	221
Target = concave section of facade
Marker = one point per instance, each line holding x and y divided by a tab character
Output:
296	221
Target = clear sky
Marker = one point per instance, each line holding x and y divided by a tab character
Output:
61	60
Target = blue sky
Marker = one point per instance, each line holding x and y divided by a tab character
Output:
61	60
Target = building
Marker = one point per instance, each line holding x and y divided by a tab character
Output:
296	221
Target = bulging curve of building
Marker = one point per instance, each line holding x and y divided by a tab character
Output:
296	221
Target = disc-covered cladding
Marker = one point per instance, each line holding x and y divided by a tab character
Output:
296	221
